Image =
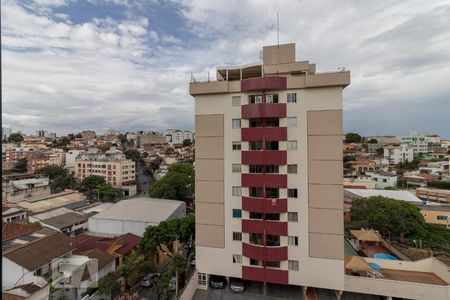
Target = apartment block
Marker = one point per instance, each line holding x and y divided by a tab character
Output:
115	168
269	197
399	154
418	141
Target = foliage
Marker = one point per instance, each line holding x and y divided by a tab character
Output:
60	178
183	168
53	171
439	184
132	154
390	188
162	286
134	267
175	186
108	285
122	138
373	141
166	233
62	143
21	166
104	147
352	137
389	216
108	193
380	151
408	165
91	182
187	142
401	183
179	265
15	137
348	158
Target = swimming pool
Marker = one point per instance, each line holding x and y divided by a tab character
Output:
385	256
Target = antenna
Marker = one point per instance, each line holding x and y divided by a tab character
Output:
278	29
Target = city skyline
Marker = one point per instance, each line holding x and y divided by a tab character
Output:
75	65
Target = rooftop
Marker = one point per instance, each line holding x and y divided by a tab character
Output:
11	230
140	210
53	201
65	220
397	195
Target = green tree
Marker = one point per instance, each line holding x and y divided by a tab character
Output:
21	166
183	168
122	138
373	141
161	287
108	285
104	147
380	151
348	158
179	266
107	192
60	178
91	182
408	165
352	137
132	154
175	186
53	171
15	137
439	184
389	216
187	142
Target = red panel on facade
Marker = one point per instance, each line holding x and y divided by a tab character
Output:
264	83
262	205
264	134
265	253
264	157
264	110
264	180
265	275
270	227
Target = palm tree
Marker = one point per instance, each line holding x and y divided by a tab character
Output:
179	265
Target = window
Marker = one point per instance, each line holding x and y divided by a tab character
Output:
255	169
273	264
272	193
236	168
201	278
255	215
236	145
256	192
292	169
252	99
256	239
254	262
272	169
442	218
236	100
236	123
291	145
273	240
272	98
237	236
273	145
273	217
292	193
237	213
293	265
38	272
292	217
291	97
255	145
237	259
237	191
292	121
272	122
293	240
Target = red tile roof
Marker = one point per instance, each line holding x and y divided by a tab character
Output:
11	230
84	242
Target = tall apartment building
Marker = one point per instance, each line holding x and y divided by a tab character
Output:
176	136
150	138
269	196
399	154
418	141
115	168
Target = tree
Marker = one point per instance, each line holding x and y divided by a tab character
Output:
180	230
161	286
373	141
53	171
21	166
348	158
132	154
15	137
389	216
122	138
352	137
60	178
380	151
441	184
183	168
91	182
108	285
187	143
175	186
408	165
179	265
104	147
107	192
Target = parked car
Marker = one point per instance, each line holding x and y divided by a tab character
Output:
217	282
148	280
237	285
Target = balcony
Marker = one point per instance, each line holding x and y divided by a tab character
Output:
264	157
264	226
265	275
264	134
264	180
263	83
264	110
261	205
265	253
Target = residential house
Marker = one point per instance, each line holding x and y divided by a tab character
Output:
383	179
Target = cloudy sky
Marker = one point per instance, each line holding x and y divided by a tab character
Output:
71	65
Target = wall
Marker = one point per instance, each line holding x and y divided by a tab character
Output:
190	288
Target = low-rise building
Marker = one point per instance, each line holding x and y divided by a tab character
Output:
88	134
64	220
417	179
383	179
134	215
436	214
69	199
17	188
361	166
433	195
176	136
399	154
150	138
13	214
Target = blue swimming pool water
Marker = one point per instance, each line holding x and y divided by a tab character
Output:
385	256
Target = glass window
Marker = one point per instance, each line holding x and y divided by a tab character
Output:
255	215
255	169
292	169
292	145
255	192
237	236
442	218
273	217
273	264
272	122
292	193
254	262
292	217
236	100
237	259
273	240
293	240
255	145
236	145
252	99
293	265
291	97
272	98
236	168
272	193
256	239
237	213
292	121
272	169
237	191
201	278
236	123
272	145
255	123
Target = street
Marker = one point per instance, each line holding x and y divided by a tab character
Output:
142	179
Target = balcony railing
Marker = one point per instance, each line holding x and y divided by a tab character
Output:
265	226
261	205
265	275
264	110
264	157
265	253
264	134
264	180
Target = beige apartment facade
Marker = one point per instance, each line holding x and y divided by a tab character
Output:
269	179
120	173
